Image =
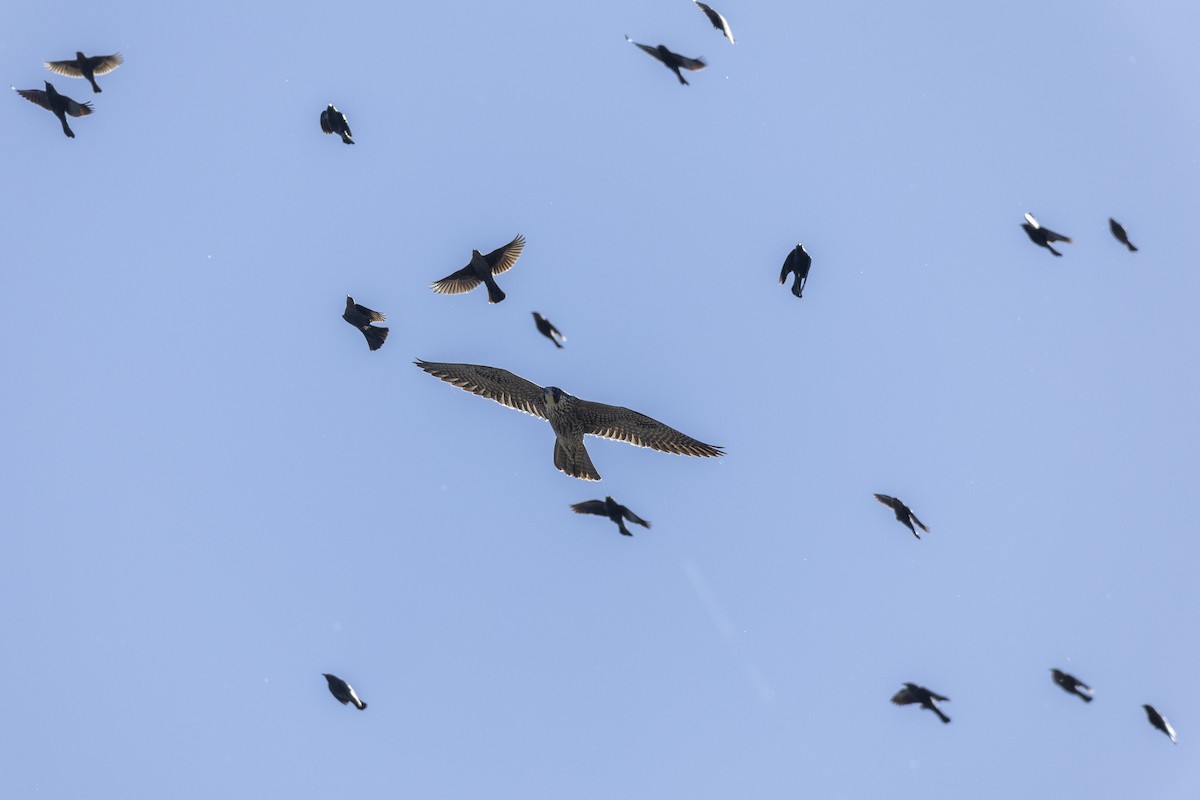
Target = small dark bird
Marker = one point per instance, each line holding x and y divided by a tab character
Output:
674	61
911	693
547	329
1160	722
613	510
1040	236
86	67
1070	683
903	513
343	691
59	104
717	21
334	121
361	317
798	262
1118	230
481	269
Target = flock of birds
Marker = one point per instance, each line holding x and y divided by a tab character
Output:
572	418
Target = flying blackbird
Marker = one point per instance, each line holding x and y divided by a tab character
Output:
673	60
798	261
59	104
1118	230
334	121
571	418
613	510
717	21
903	513
481	269
547	329
1040	236
361	317
86	67
911	693
1160	722
1070	683
343	691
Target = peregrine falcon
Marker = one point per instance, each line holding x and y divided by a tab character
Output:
1118	230
334	121
799	262
343	691
481	269
570	417
911	693
673	61
717	21
903	513
1040	236
1160	722
59	104
548	330
361	317
613	510
1070	683
86	67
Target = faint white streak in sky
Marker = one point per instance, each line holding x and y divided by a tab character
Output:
720	618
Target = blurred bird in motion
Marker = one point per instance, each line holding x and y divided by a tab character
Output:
59	104
86	67
343	691
547	329
673	61
717	21
1118	230
797	262
911	693
334	121
1040	236
481	269
1160	722
613	510
570	417
903	513
361	317
1070	683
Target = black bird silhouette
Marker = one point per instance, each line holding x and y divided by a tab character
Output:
903	513
86	67
547	329
1118	230
334	121
1070	683
613	510
361	317
717	21
798	262
481	269
1160	722
911	693
1040	236
343	691
673	61
59	104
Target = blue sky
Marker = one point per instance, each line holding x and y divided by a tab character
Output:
215	492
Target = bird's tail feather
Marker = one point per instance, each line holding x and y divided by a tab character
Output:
375	336
1132	249
575	461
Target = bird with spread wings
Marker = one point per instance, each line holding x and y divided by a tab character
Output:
571	417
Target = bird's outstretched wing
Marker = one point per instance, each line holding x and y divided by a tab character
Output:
626	425
717	21
653	51
885	499
634	518
919	524
459	282
591	507
502	258
1051	236
372	316
493	383
692	64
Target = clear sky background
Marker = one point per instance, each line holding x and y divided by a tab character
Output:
213	492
